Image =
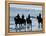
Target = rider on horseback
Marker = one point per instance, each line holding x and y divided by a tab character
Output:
28	19
39	19
23	20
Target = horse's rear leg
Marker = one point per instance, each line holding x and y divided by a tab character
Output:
16	27
20	27
39	25
31	27
21	24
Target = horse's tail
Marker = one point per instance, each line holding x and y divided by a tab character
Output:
42	21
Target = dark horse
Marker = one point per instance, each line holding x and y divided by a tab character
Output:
19	20
29	21
23	21
40	20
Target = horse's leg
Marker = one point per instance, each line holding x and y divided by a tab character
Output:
39	25
21	24
24	24
42	24
16	27
19	27
30	26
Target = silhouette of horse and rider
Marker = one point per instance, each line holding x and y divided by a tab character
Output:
40	20
21	21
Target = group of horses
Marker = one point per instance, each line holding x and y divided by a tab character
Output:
21	21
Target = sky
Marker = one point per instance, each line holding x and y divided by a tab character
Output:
33	10
26	6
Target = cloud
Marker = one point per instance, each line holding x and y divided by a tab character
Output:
26	6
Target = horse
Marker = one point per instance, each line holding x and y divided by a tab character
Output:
23	21
40	20
19	20
29	21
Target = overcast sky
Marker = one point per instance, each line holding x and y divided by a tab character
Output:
34	10
26	6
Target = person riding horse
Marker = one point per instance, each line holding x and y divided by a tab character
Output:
40	20
23	20
17	19
29	21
